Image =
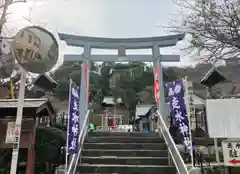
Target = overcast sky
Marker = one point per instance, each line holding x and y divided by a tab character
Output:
99	18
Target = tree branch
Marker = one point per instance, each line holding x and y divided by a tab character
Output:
213	26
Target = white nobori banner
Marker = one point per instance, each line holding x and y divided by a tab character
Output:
10	132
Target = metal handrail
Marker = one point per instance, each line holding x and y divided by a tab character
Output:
172	148
83	132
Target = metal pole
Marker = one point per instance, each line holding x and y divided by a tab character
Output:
18	124
209	96
216	150
83	102
66	154
84	81
86	69
189	119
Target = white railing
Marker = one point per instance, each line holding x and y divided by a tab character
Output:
172	148
83	132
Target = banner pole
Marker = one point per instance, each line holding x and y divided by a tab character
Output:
185	82
66	155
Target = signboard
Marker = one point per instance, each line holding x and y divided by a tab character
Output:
223	118
10	132
176	95
231	153
16	137
156	85
73	119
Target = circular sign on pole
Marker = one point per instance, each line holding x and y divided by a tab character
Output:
35	49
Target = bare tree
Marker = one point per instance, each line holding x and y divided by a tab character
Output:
4	4
214	26
6	60
4	7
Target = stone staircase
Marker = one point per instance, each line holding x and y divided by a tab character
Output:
124	153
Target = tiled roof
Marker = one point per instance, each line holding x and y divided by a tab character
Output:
142	110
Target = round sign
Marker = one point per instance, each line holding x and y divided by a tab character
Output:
35	49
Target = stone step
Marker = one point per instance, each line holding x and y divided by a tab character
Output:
124	152
123	139
129	134
126	169
149	146
124	160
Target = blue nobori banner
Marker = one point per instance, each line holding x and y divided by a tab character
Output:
176	94
73	119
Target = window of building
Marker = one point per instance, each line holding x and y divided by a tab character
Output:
29	38
145	126
200	119
38	56
31	54
28	54
19	52
22	34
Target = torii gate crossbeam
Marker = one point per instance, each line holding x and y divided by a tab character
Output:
116	58
120	44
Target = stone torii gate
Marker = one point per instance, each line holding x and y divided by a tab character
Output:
120	44
88	43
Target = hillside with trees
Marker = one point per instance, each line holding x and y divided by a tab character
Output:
136	78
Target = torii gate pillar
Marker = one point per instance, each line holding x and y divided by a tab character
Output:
153	43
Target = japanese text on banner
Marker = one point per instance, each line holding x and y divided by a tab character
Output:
73	119
179	111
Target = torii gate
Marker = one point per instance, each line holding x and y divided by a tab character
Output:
154	43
